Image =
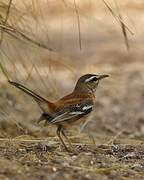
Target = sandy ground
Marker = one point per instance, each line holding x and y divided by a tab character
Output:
111	145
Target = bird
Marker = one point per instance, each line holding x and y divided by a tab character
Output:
72	109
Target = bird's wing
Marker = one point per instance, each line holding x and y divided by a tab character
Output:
75	111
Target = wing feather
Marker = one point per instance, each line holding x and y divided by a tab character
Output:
72	111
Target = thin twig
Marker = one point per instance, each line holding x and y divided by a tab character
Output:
67	66
6	19
43	82
123	27
16	33
79	26
11	61
4	71
111	141
29	74
117	17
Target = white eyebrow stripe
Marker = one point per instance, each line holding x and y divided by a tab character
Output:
87	107
89	79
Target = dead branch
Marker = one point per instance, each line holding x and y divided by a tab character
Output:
21	36
79	26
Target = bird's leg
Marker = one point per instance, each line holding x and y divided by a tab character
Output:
59	130
63	133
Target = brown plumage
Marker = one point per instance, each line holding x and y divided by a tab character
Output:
71	109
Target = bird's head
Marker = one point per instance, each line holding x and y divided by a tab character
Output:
89	82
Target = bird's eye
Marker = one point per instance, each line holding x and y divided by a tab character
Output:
94	79
91	79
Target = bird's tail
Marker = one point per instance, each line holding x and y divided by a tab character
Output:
44	104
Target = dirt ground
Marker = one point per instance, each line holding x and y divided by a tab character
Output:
111	146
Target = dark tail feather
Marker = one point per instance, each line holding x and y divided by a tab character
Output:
43	103
27	91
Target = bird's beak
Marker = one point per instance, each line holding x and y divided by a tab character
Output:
103	76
